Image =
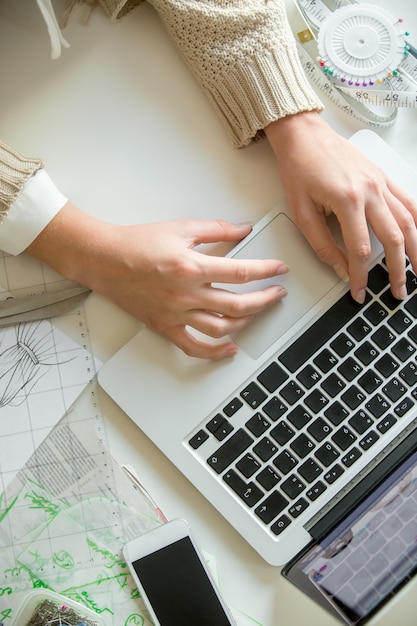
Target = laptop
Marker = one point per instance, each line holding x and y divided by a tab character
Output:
299	439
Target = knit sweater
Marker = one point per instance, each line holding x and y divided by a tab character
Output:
244	56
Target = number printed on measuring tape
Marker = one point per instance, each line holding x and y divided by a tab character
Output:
358	55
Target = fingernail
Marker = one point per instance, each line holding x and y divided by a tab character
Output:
360	296
402	292
244	225
282	292
341	272
283	269
232	351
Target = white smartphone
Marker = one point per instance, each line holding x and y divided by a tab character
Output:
173	579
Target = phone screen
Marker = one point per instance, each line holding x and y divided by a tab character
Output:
178	588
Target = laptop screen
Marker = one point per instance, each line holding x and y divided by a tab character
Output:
368	557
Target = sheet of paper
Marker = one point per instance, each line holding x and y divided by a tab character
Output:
44	366
65	518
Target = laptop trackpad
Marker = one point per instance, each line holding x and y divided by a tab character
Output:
308	280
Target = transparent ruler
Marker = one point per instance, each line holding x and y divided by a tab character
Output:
358	55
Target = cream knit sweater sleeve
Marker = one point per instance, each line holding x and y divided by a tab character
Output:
244	55
15	170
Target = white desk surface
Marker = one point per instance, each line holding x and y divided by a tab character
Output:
128	135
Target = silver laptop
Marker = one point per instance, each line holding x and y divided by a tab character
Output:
287	438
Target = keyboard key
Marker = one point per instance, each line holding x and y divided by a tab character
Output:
248	492
333	474
336	413
369	440
400	321
257	424
375	313
350	368
316	401
388	299
386	423
265	449
411	304
333	385
275	408
272	377
321	331
253	395
309	470
285	462
366	353
230	450
319	429
403	349
308	376
233	406
268	478
342	345
377	405
383	337
343	438
292	486
219	427
405	405
325	361
298	507
314	492
198	439
292	392
411	283
248	465
370	381
271	507
386	365
394	389
360	422
327	454
282	433
351	457
409	374
299	417
280	525
353	397
359	328
302	446
378	278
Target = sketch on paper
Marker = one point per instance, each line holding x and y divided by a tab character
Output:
24	362
44	365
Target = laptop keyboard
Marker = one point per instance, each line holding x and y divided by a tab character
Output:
317	408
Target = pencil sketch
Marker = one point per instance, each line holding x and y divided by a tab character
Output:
23	363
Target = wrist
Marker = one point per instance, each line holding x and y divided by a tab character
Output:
73	244
302	126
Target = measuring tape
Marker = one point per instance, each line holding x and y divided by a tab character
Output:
358	55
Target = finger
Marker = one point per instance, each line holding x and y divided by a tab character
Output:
389	223
213	231
315	229
191	346
407	219
236	305
216	326
355	234
239	271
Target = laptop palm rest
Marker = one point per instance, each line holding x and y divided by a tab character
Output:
307	282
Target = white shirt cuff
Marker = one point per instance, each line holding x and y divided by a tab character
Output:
36	205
